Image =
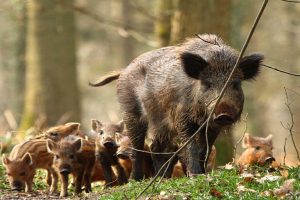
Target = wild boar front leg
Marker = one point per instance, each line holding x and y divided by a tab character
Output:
107	171
54	181
87	176
160	159
78	181
64	185
122	178
28	184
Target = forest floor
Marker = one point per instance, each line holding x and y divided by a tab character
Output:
226	183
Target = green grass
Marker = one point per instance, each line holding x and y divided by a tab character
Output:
221	183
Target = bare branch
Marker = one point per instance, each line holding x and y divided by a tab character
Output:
290	127
280	70
217	101
143	10
284	150
240	140
291	1
150	152
119	27
213	43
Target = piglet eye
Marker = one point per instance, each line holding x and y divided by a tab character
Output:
71	156
257	148
57	157
101	132
22	174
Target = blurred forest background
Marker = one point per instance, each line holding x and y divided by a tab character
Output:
51	49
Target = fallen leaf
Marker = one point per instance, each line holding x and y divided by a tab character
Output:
242	188
229	166
270	178
284	173
287	187
214	192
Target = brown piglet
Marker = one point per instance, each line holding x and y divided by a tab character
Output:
23	161
106	149
76	156
258	150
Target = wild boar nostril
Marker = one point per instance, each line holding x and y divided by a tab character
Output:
270	159
109	144
122	156
223	119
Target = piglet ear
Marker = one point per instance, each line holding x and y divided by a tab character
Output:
27	159
78	145
246	140
269	140
51	146
121	126
250	65
96	125
73	126
5	160
193	64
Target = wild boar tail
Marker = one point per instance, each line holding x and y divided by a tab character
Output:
106	79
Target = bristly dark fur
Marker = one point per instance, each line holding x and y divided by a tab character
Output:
168	92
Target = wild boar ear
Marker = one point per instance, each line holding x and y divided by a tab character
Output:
121	126
246	140
51	146
77	145
27	159
5	160
73	126
193	64
250	65
96	124
269	139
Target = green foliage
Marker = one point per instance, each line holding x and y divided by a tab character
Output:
221	183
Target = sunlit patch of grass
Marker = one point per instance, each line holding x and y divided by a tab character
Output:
221	183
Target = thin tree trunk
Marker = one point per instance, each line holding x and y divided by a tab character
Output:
163	23
51	77
206	16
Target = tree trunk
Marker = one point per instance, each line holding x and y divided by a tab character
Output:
207	16
51	78
163	23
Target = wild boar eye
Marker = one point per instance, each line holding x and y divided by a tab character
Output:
207	84
257	148
22	174
236	84
54	134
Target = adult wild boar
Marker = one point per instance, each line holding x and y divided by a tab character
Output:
170	91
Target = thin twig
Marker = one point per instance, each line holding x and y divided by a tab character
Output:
234	69
143	11
240	140
291	1
150	152
290	127
280	70
217	101
213	43
119	27
284	150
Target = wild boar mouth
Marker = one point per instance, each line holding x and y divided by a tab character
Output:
223	119
123	155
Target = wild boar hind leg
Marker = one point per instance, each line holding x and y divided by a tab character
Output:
136	129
